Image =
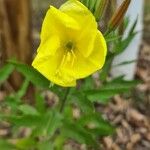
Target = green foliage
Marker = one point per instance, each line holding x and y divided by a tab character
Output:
6	145
116	86
50	123
54	127
5	72
31	74
97	125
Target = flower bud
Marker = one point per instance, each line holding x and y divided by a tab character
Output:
119	15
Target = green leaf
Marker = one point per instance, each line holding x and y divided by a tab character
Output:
120	85
125	63
126	22
23	89
26	120
31	74
25	143
97	125
12	101
92	5
87	83
99	9
87	3
123	44
106	68
78	133
45	145
5	145
59	142
133	27
83	103
28	110
5	71
54	122
40	103
110	89
112	37
48	124
102	96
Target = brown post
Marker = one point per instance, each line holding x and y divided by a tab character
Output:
15	32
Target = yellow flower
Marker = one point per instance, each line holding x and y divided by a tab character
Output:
71	46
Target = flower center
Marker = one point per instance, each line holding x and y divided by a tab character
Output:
70	46
68	56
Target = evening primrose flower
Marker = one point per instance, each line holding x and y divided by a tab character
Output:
71	46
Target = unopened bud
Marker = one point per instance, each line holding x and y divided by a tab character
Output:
119	15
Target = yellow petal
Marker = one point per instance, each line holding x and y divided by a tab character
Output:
56	22
84	66
49	65
63	79
78	11
99	52
85	43
49	46
86	36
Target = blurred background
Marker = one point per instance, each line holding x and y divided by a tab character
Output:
20	24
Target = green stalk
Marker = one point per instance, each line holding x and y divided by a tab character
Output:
63	102
92	5
99	9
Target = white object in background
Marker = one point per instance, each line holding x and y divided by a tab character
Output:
131	53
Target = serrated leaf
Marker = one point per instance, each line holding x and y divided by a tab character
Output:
120	85
5	71
31	74
102	96
110	89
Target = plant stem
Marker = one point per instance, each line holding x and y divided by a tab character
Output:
64	100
